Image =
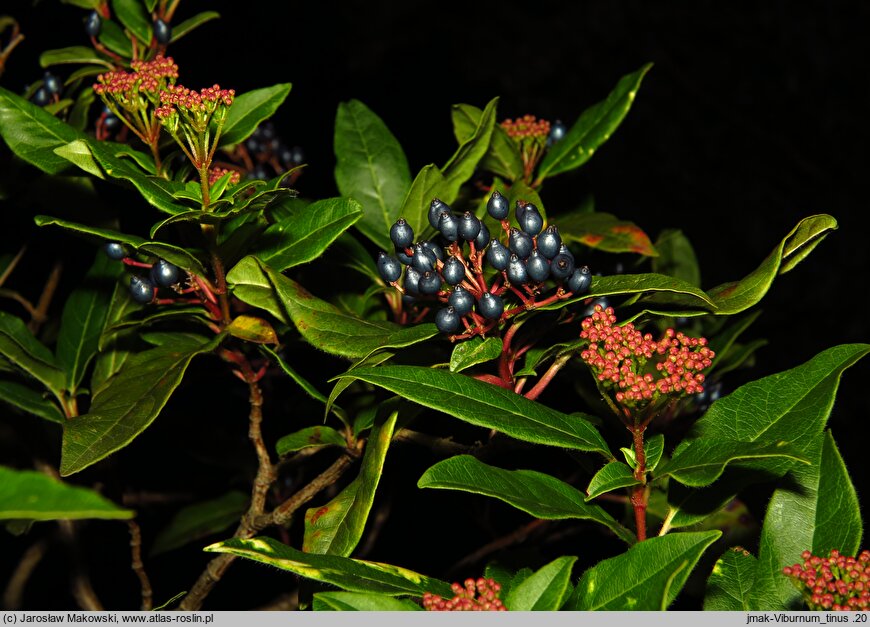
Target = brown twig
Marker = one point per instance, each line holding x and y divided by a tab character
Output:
45	298
14	593
544	381
138	567
445	446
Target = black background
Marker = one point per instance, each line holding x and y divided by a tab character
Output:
753	116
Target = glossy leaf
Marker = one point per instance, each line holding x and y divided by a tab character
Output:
84	317
724	340
252	329
428	184
30	401
730	585
341	385
348	574
303	235
611	477
533	492
463	163
112	36
648	577
129	402
361	602
371	168
201	520
676	257
503	156
320	436
72	54
251	285
25	494
485	405
546	590
115	347
79	154
593	128
817	511
183	28
605	232
250	109
703	462
337	527
132	15
21	348
473	352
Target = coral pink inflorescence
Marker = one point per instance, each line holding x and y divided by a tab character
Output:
835	582
476	596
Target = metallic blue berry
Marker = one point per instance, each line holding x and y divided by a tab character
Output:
434	248
497	206
115	251
389	267
557	132
162	32
580	281
461	300
516	271
453	271
497	255
430	283
549	242
52	83
538	266
561	267
93	24
436	208
469	226
490	306
142	290
423	259
448	226
164	273
41	97
532	222
401	234
482	239
404	257
412	281
520	243
447	320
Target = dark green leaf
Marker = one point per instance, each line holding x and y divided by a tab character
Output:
372	169
72	54
30	401
83	320
676	257
817	511
605	232
464	161
116	347
647	577
251	285
593	128
25	494
428	184
722	342
361	602
319	437
348	574
78	115
183	28
250	109
79	154
473	352
112	36
337	527
341	385
305	234
132	15
533	492
485	405
611	477
729	586
201	520
129	402
19	346
503	156
545	590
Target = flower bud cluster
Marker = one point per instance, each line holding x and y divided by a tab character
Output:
476	300
214	174
205	101
476	596
134	90
526	126
835	582
639	367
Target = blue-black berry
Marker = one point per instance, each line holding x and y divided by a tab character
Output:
482	239
497	255
549	242
142	290
561	267
402	234
51	83
162	32
447	320
404	257
111	122
453	271
520	243
412	281
538	266
490	306
497	206
461	300
93	24
580	281
516	271
115	251
557	132
389	267
41	97
532	222
430	283
423	259
436	208
434	248
164	273
469	226
448	226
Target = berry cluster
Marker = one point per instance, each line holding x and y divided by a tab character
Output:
476	596
49	91
639	367
265	155
833	583
144	289
441	270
